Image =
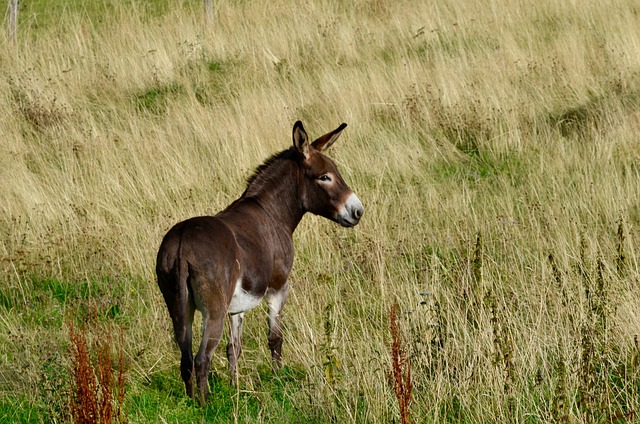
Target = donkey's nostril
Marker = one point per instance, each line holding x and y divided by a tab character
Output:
357	212
351	212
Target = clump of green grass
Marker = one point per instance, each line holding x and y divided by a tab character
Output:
154	100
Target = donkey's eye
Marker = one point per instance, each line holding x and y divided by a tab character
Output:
326	178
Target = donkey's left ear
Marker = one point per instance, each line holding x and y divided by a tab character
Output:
300	139
324	142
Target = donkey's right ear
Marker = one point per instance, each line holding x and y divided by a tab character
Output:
301	139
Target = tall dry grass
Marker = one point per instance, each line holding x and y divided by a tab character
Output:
493	144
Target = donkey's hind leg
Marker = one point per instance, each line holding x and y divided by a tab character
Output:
212	326
234	348
181	310
183	337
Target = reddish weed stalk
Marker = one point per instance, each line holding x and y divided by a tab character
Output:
400	373
97	394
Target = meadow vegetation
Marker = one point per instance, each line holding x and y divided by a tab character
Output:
494	145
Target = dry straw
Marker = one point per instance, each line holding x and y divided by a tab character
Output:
514	120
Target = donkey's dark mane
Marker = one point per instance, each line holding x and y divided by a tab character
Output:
288	154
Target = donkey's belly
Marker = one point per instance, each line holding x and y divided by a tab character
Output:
242	300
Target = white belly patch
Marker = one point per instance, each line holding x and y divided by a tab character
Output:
242	301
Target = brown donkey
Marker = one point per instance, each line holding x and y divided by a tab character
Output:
226	264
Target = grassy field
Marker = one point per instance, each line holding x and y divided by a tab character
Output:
494	144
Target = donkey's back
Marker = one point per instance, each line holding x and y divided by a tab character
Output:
199	249
208	258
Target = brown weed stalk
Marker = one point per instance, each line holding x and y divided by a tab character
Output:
97	390
83	405
400	373
620	257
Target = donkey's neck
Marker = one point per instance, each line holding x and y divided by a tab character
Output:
277	190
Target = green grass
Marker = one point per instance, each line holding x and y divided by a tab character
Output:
40	15
270	399
154	100
16	410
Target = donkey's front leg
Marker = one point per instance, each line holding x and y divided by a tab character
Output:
234	348
276	300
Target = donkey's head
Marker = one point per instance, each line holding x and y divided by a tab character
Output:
323	190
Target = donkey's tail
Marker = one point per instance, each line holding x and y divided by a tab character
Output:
182	279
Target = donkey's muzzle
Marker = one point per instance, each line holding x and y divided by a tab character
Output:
351	212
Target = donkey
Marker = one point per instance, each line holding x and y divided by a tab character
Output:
227	263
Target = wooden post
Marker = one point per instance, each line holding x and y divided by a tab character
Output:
208	8
12	21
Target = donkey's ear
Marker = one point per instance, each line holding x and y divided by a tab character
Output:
300	139
324	142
